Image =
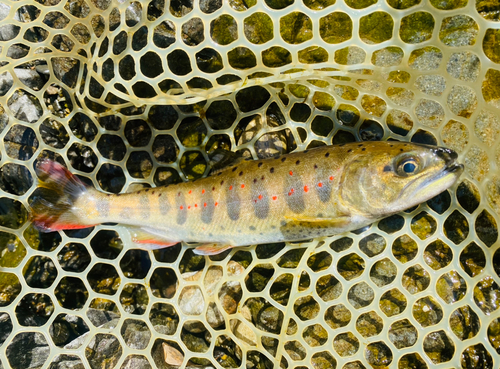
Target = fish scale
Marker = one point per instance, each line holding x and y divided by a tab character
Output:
298	196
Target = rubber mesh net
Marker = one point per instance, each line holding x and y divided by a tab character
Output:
131	94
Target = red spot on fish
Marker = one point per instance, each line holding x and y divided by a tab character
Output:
255	201
260	197
275	197
189	207
242	186
205	204
291	192
320	184
213	188
291	173
230	188
195	205
216	203
202	191
306	188
190	192
331	178
181	207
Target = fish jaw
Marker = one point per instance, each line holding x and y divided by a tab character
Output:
439	183
433	186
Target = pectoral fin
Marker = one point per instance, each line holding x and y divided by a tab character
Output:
338	222
148	240
211	249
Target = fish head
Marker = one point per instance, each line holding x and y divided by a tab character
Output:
389	177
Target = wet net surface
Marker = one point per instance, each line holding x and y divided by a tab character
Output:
133	94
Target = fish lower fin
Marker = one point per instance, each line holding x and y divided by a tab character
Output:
211	249
340	221
53	210
146	239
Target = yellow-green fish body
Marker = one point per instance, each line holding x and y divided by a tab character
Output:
298	196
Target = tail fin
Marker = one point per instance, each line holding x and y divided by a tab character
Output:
53	210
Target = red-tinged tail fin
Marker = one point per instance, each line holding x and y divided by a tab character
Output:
53	209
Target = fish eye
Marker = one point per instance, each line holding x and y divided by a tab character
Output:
408	166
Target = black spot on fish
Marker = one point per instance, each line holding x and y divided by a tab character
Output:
241	173
259	165
221	183
401	150
146	190
252	228
297	162
363	149
262	178
306	151
387	168
327	154
234	169
159	195
350	150
315	166
255	180
283	160
271	170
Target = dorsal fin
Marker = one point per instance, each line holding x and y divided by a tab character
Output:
221	159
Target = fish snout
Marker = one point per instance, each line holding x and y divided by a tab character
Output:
449	156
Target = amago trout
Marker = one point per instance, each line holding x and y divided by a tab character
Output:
319	192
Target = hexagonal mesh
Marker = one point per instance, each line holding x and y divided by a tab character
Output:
132	94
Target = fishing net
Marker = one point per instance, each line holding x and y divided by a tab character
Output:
135	94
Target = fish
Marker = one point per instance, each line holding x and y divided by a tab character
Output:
299	196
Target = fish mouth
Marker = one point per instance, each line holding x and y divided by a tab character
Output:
448	175
450	158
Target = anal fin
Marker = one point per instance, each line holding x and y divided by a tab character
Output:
148	240
211	249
